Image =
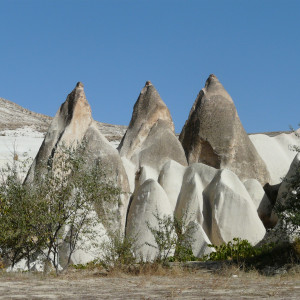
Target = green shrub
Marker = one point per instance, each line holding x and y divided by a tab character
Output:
238	250
172	236
184	233
275	255
118	251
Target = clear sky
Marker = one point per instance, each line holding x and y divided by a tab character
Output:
114	46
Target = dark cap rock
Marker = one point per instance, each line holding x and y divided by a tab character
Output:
79	84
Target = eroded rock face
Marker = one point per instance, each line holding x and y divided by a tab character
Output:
217	202
149	200
233	213
261	202
150	139
98	148
148	109
200	241
214	135
192	204
276	152
170	178
284	187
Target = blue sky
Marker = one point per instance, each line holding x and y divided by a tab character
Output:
114	46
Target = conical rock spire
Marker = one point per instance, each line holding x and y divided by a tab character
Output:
148	109
150	138
68	127
214	135
72	124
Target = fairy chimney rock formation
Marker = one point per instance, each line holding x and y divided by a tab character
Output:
148	109
150	139
72	124
68	127
213	135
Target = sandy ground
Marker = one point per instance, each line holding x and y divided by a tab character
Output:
196	285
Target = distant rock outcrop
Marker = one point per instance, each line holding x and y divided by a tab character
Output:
214	135
150	139
14	116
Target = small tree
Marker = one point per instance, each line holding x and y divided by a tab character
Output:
164	236
56	209
172	236
185	239
118	250
19	215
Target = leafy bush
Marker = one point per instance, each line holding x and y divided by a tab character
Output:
184	233
238	250
164	236
21	220
172	236
1	263
275	255
296	247
118	251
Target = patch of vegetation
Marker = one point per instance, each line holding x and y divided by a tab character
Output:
242	253
57	209
173	238
283	254
237	250
118	251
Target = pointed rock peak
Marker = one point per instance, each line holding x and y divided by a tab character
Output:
147	111
77	105
68	127
77	95
213	82
150	107
149	88
79	84
211	77
74	116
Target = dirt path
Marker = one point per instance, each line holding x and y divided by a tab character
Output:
199	285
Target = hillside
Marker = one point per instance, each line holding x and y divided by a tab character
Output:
14	116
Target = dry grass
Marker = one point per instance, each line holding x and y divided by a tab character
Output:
152	282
